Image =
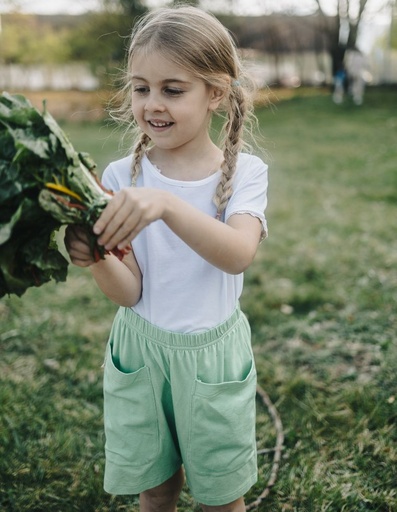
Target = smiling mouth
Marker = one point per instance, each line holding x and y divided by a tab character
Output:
160	124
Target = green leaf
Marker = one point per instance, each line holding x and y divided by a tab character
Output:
34	151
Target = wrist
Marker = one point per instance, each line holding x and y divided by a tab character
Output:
166	200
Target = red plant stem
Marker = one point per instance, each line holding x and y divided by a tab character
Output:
120	253
69	204
78	206
97	256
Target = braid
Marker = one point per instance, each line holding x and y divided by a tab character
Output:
139	151
232	145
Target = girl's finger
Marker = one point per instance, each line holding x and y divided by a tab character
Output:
81	262
109	213
119	228
122	236
126	241
123	216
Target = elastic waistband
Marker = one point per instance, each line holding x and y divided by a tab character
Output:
176	339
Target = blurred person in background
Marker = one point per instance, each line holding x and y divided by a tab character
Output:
355	63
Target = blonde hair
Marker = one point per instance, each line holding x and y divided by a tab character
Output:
198	42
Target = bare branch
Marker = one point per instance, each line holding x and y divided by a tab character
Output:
277	448
320	8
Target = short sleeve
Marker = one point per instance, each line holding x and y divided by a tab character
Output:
250	186
117	175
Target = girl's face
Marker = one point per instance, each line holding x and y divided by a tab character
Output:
169	104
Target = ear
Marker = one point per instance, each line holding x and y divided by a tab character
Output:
216	96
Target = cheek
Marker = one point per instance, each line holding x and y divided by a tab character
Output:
137	111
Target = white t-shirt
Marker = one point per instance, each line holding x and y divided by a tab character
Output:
181	292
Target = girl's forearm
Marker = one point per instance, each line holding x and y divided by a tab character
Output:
230	247
120	281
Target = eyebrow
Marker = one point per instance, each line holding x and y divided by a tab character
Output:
165	81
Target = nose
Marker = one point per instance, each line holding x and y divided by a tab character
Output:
154	102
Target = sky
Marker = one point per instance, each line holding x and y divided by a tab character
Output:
78	6
247	7
50	7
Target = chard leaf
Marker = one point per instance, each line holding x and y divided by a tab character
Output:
44	183
26	143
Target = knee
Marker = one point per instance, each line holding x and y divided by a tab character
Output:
162	494
235	506
163	500
163	497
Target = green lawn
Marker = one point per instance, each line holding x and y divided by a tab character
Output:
321	297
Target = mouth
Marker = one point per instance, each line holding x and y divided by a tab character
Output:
159	124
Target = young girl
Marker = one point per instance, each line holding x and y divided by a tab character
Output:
180	380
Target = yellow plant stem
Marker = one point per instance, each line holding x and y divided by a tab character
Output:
65	190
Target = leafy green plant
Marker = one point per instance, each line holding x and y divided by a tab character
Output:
44	184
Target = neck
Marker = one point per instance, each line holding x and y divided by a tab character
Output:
187	165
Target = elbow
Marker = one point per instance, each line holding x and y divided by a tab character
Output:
240	265
125	302
132	299
239	260
240	269
127	297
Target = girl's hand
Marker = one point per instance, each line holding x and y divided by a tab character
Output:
128	212
77	245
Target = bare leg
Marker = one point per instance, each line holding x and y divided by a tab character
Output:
234	506
164	497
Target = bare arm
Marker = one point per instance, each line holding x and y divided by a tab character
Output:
230	247
119	280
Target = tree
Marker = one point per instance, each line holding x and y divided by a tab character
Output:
30	39
127	7
393	26
349	16
102	37
195	3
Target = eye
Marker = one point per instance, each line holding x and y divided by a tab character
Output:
141	89
173	91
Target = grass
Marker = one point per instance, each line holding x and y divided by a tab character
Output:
321	298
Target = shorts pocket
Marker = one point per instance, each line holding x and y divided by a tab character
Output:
222	429
131	425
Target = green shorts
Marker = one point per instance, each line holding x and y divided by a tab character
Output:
173	399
